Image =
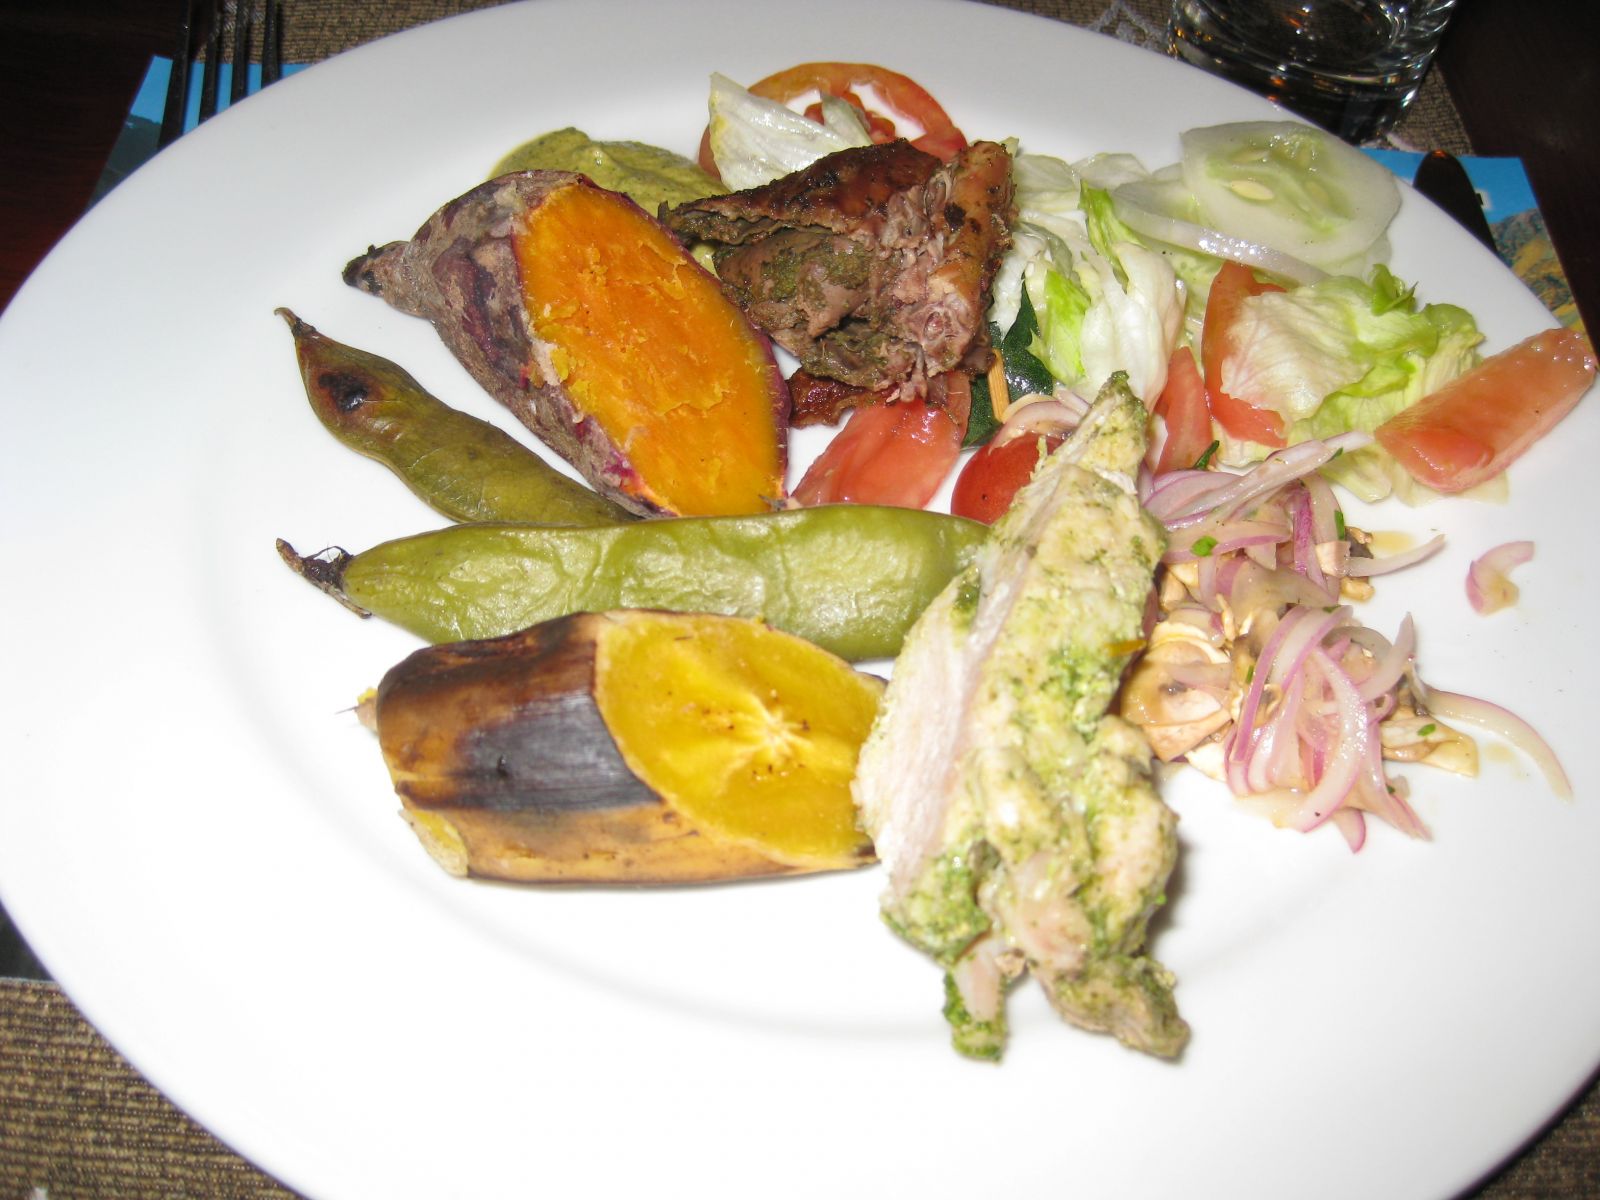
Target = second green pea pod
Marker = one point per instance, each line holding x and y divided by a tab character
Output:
851	578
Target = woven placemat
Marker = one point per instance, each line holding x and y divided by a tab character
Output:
78	1123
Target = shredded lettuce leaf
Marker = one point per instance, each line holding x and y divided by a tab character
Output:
1104	303
1346	354
755	140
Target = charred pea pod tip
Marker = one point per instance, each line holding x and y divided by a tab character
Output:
323	570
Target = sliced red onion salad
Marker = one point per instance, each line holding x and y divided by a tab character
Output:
1265	562
1307	729
1489	586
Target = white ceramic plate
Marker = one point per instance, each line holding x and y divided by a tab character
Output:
201	843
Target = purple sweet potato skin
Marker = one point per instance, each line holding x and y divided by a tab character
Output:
460	273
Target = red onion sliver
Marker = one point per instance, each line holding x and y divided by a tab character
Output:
1311	627
1333	558
1182	496
1383	706
1375	794
1349	749
1489	587
1206	577
1276	760
1041	417
1254	589
1305	538
1350	439
1278	468
1324	509
1354	827
1502	722
1390	659
1381	566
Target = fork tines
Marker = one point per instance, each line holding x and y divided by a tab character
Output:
272	43
203	25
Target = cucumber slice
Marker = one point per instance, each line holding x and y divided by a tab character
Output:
1161	207
1293	187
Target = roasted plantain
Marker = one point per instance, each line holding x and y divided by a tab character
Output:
629	747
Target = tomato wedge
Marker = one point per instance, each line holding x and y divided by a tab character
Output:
1473	427
992	476
894	453
1182	407
901	97
1233	285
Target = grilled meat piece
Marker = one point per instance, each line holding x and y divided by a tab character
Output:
814	400
872	266
866	191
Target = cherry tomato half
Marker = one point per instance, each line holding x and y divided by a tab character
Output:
1233	285
902	99
994	474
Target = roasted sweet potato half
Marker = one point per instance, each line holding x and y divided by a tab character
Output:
630	747
600	332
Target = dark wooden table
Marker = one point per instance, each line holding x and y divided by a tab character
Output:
1524	76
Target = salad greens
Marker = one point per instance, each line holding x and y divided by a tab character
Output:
1337	353
1394	353
1104	301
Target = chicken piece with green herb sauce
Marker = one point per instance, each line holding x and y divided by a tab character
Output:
1017	820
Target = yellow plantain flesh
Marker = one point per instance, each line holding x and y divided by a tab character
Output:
632	746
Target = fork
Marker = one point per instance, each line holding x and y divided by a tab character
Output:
202	25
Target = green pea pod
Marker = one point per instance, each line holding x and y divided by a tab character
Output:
851	578
465	468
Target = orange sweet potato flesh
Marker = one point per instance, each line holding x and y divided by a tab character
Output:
590	322
646	344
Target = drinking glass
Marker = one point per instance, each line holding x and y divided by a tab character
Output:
1352	66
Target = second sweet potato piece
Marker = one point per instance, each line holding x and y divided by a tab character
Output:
586	318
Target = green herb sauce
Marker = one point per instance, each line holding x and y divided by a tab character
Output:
647	175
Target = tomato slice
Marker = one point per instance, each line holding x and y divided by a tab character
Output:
992	476
894	453
1473	427
902	98
1233	285
1182	407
